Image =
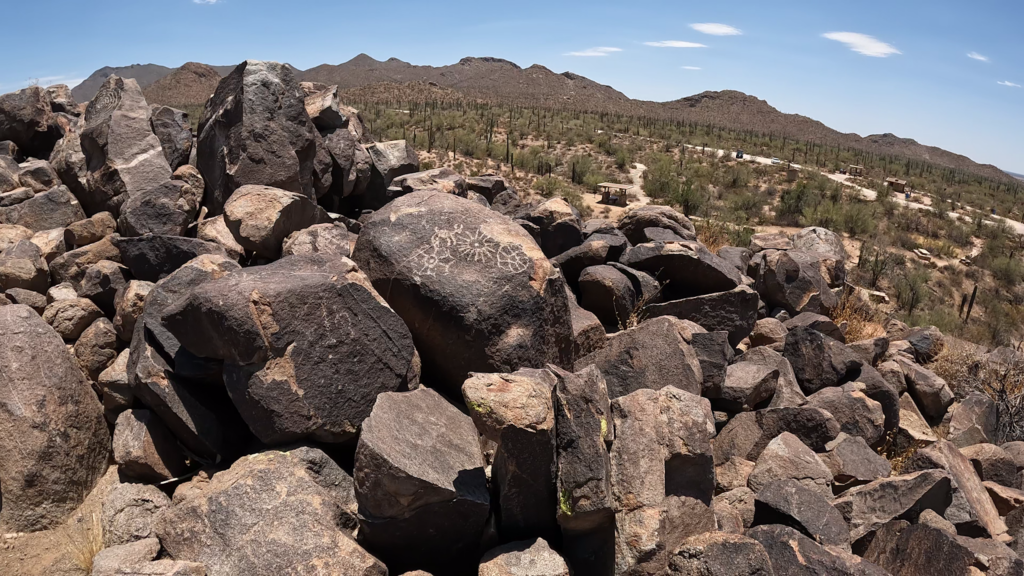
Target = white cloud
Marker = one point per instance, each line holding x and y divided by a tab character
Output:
717	29
70	79
598	51
675	44
1008	83
691	68
977	56
863	44
205	1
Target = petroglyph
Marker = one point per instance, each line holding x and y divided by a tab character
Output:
449	247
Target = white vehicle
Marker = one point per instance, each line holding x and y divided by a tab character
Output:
776	161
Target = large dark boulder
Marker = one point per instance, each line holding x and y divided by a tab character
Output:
793	554
719	554
27	120
607	293
559	224
255	130
54	441
474	288
261	217
268	324
655	354
420	483
786	280
163	209
734	312
635	221
867	508
154	257
122	154
271	513
55	208
790	503
596	250
685	269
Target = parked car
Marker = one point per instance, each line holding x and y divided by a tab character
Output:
739	154
776	161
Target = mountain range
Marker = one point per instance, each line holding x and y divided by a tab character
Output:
498	80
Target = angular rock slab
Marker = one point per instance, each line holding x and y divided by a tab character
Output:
867	508
266	515
122	154
720	554
255	130
308	345
54	441
145	449
516	411
533	557
261	217
734	312
790	503
686	269
474	288
792	553
652	355
419	479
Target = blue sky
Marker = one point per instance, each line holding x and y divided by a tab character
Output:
902	66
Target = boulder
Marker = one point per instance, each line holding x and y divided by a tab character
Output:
128	306
768	332
719	554
53	439
164	209
1005	498
867	508
588	334
685	269
787	458
62	291
255	130
474	288
928	342
28	122
820	241
930	392
70	267
635	221
748	433
89	231
55	208
734	311
33	300
747	385
419	479
68	160
732	474
37	175
286	379
992	464
583	426
11	234
51	243
69	318
738	258
596	250
261	217
792	553
435	180
96	348
770	241
352	164
559	224
129	511
872	350
714	354
524	558
856	414
145	449
322	108
653	355
645	537
389	160
807	351
115	390
267	514
785	280
790	503
15	196
101	283
22	266
973	421
216	231
153	257
920	550
853	463
608	294
173	130
822	324
123	156
913	431
125	558
331	239
516	412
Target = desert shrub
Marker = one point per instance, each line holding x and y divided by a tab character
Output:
575	199
549	186
862	319
965	370
911	288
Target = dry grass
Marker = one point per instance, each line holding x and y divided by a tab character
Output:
638	315
966	371
862	320
83	540
898	454
712	234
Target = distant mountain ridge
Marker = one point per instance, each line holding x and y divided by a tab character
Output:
498	80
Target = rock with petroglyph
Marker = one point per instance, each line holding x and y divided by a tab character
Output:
476	291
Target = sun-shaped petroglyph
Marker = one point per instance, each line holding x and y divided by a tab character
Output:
449	246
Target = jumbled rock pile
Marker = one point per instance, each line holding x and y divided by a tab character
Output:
306	356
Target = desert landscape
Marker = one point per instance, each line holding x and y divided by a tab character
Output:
378	318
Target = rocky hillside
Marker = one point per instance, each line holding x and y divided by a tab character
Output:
499	80
186	86
458	382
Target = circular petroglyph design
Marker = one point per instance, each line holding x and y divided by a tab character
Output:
448	247
103	104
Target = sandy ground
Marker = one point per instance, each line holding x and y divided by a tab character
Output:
635	194
62	550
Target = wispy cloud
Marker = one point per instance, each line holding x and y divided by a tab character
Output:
1008	83
71	80
863	44
717	29
691	68
598	51
675	44
205	1
977	56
